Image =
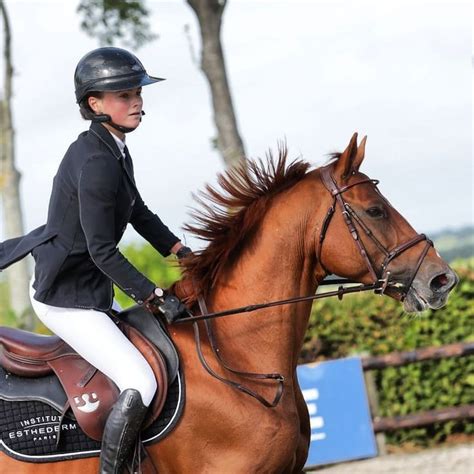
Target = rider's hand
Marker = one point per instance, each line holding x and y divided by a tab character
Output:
172	308
158	295
183	252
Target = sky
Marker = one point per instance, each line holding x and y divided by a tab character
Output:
308	72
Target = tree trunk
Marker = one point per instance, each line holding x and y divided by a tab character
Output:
10	191
229	143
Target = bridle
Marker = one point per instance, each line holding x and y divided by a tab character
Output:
381	284
351	219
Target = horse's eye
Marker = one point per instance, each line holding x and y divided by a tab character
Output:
375	212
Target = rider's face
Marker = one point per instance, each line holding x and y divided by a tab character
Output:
124	107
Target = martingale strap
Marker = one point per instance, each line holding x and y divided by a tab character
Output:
280	379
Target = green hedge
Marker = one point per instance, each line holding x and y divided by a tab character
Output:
162	271
378	325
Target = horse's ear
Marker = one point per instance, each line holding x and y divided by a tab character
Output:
359	158
345	161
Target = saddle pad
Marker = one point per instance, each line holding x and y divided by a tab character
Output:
29	429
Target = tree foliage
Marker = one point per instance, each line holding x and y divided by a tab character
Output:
125	21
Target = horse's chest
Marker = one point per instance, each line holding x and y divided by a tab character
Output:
276	439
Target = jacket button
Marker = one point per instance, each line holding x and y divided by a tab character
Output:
139	301
132	295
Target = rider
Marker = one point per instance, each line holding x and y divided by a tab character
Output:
94	197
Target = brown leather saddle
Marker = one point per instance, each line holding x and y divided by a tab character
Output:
90	393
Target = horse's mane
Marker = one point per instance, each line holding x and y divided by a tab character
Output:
230	215
333	156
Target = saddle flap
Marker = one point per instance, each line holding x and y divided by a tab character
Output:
156	361
151	327
90	393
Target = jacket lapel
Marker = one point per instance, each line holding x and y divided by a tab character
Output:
106	138
128	165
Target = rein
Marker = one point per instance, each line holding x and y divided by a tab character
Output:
381	283
340	292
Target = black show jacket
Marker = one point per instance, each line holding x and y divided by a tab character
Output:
93	199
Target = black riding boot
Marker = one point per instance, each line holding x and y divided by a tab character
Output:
121	431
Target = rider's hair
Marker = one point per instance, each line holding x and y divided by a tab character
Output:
84	108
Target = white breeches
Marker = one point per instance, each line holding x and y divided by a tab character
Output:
94	336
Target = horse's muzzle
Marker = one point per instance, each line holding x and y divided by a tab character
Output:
430	293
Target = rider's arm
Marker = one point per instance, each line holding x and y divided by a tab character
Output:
97	189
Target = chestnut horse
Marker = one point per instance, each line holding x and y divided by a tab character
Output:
264	231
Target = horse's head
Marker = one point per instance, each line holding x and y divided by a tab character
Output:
364	238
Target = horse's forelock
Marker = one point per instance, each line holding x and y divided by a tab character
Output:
333	157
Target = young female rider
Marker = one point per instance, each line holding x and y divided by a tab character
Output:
94	197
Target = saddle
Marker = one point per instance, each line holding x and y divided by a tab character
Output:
90	394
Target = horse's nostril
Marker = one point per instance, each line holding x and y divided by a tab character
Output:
439	282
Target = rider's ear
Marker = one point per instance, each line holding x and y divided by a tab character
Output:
345	161
94	104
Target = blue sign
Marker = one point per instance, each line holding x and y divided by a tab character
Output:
341	425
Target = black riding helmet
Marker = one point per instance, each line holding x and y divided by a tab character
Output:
109	69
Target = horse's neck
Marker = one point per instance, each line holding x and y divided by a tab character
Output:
275	266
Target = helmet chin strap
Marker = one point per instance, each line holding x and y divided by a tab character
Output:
105	118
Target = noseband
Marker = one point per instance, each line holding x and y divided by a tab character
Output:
351	218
